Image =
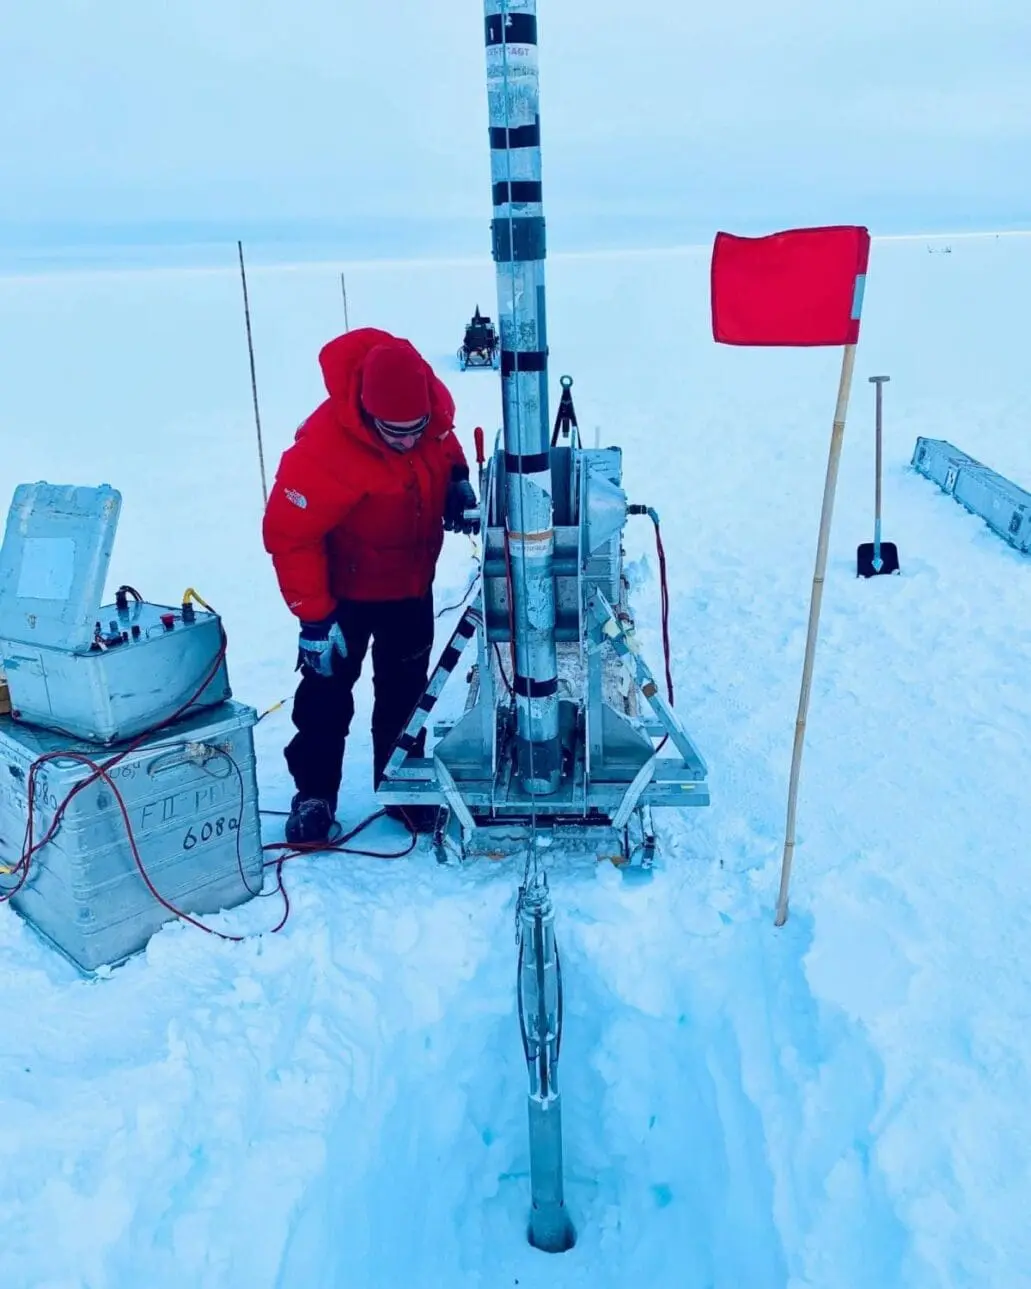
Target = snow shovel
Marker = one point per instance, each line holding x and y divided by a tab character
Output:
876	557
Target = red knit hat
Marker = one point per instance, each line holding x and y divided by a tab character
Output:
394	384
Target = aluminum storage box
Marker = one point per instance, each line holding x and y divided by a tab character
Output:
192	800
90	671
1004	506
939	461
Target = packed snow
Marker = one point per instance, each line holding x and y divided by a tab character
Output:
838	1103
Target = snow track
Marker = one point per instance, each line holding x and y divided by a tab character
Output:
690	1144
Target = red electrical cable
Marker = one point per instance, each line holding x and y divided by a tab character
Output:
665	610
339	846
664	602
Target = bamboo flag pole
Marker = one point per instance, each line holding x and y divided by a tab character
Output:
802	287
254	379
343	288
837	438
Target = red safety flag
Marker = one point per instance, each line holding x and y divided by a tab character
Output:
800	287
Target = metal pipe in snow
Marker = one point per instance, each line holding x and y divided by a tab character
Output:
540	1012
517	232
550	1228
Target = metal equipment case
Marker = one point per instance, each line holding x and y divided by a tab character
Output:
192	801
941	462
1003	505
102	673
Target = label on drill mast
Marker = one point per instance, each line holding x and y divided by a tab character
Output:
518	61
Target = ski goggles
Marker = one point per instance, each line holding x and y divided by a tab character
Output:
392	431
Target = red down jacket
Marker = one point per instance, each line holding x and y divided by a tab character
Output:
349	517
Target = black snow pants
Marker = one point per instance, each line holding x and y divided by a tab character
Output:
401	632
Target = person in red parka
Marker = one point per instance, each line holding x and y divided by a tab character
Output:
355	523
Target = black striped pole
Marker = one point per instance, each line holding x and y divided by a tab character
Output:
408	738
518	248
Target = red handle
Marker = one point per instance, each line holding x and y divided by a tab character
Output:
478	439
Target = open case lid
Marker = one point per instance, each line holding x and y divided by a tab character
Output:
54	562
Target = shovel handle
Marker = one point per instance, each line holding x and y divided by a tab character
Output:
878	382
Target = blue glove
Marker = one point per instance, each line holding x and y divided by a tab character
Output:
460	497
318	643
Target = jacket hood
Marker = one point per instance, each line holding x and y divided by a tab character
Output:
342	359
341	362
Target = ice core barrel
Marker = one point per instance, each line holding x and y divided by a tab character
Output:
517	232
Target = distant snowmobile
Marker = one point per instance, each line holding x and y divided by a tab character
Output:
481	346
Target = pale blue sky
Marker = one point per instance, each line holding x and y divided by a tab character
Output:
909	113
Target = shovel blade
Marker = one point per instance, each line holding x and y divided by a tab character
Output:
865	559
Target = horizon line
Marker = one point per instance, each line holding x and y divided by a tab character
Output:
465	260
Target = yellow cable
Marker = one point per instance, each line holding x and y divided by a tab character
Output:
274	708
190	594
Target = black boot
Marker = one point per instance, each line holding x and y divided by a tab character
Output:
310	821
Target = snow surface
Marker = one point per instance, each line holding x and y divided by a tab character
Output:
842	1102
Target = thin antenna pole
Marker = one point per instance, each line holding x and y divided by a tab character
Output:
254	379
343	288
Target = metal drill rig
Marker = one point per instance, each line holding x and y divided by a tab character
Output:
554	735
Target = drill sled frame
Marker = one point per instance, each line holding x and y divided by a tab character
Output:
613	774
